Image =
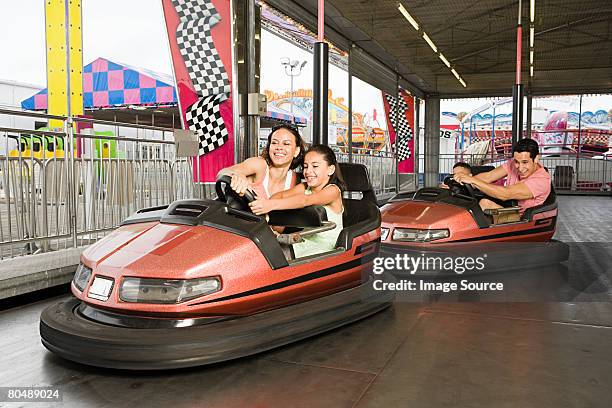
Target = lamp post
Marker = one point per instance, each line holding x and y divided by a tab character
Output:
293	68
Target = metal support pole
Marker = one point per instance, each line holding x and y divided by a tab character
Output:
416	133
529	115
470	129
320	86
493	135
70	133
350	113
320	81
247	38
579	150
432	141
517	90
252	21
291	102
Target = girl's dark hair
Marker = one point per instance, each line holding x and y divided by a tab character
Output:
330	158
299	142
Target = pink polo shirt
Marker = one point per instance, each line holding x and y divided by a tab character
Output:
538	183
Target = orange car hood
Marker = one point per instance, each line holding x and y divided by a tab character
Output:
423	214
168	251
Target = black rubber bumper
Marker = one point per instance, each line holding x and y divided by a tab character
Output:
496	257
74	337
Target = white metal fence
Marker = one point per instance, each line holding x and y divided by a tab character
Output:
381	166
569	172
53	198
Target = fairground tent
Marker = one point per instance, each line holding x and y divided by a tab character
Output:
107	84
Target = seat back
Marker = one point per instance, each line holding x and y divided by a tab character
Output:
549	204
361	214
563	177
481	169
357	180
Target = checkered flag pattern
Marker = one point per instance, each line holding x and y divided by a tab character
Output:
399	122
403	151
203	64
205	70
194	9
204	118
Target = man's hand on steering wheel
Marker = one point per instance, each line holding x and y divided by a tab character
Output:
464	181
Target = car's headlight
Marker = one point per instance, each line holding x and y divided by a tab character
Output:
137	290
384	233
418	235
81	277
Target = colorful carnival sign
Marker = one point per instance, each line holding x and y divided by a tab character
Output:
400	123
200	43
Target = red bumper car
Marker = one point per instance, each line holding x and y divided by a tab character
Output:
204	281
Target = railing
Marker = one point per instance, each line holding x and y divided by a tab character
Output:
381	166
569	171
57	194
52	198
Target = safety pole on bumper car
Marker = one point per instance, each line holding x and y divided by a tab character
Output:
320	82
517	90
349	133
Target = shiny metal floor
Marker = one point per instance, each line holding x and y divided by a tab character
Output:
436	354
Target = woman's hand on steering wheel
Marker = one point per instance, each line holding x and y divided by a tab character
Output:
229	196
239	183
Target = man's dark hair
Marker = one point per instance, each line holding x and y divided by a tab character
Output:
464	165
527	145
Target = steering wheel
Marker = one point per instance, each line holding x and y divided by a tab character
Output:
226	194
457	188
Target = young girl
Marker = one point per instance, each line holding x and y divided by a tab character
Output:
323	186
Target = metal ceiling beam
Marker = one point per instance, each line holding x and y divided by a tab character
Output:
537	34
298	11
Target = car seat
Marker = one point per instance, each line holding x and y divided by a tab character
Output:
361	214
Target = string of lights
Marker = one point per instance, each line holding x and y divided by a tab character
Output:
430	42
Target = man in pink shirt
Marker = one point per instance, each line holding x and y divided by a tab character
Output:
526	180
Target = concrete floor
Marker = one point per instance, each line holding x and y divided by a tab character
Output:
435	354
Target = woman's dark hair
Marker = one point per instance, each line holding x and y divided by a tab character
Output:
299	142
330	158
527	145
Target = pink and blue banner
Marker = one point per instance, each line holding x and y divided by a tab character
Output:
108	84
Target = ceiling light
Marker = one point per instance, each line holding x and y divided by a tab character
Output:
455	73
431	44
531	57
531	70
411	20
532	10
444	60
462	83
531	35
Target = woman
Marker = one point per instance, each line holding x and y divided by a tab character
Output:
324	186
274	171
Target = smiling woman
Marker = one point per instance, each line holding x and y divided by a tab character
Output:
274	171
